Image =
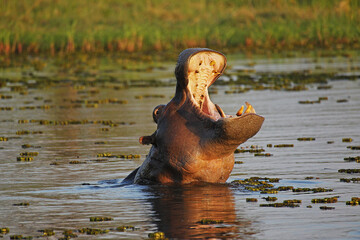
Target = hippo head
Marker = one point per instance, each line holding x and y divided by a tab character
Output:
195	140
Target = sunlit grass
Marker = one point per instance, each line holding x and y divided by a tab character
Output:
67	26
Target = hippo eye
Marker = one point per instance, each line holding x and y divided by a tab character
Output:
157	112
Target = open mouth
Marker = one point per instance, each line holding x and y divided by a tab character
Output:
203	70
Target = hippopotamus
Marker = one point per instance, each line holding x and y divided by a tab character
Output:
194	140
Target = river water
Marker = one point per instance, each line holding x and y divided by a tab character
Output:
67	183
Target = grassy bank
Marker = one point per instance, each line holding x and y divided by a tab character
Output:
91	26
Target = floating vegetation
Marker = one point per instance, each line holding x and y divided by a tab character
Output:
5	96
279	205
23	121
284	188
25	159
4	139
347	180
25	204
207	221
100	219
347	140
330	142
258	184
77	162
6	108
20	237
306	139
93	231
354	201
352	159
29	154
251	200
257	150
268	191
270	199
269	145
327	208
4	230
309	178
239	162
157	236
263	155
125	228
325	200
101	142
69	234
104	155
292	201
309	102
284	145
353	147
350	170
342	100
314	190
314	101
47	232
26	132
29	146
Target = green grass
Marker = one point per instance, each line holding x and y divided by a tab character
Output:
67	26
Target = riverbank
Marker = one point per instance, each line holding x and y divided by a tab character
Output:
152	27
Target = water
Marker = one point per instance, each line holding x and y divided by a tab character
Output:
64	196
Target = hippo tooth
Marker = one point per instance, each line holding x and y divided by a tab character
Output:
239	113
249	108
221	112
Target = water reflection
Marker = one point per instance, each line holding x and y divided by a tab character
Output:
178	211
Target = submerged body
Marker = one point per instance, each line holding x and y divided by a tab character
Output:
194	140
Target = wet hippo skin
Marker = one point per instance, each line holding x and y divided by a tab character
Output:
194	140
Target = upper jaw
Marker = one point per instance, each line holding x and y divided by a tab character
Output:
203	68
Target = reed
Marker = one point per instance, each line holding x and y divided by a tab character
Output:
91	26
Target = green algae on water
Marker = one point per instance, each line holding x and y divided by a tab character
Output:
270	199
306	139
4	230
327	208
100	219
347	180
47	232
325	200
284	145
350	171
157	236
93	231
354	201
125	228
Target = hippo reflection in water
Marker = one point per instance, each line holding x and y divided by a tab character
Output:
194	141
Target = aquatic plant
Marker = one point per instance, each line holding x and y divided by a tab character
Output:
251	200
325	200
157	236
100	219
